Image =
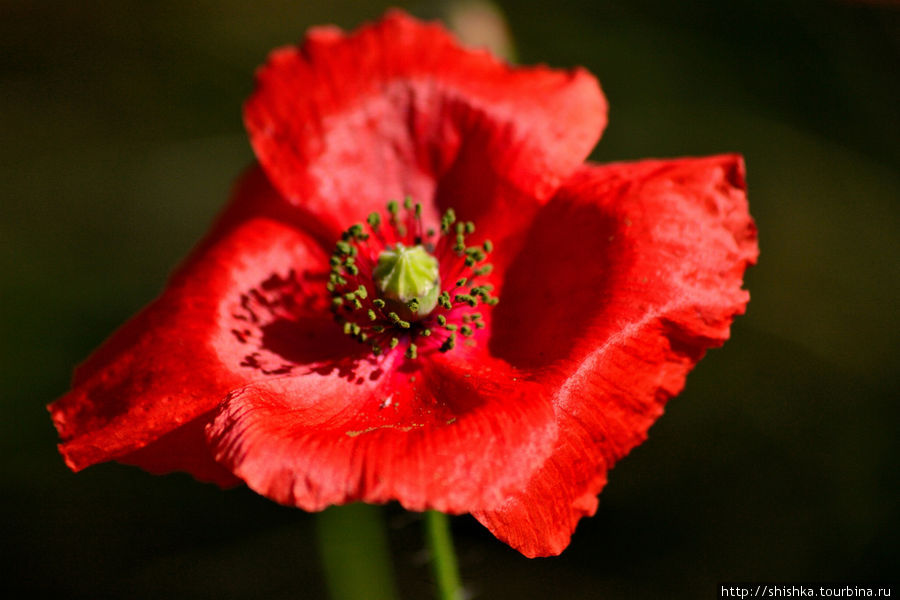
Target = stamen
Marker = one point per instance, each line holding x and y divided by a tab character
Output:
466	299
447	220
449	343
396	320
386	308
356	232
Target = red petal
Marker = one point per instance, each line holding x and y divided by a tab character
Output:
346	122
182	449
629	274
449	436
230	316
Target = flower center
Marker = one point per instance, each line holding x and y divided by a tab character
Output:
400	285
409	279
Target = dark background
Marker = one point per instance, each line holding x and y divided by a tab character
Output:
121	136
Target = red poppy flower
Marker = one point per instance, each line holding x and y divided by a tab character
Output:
325	349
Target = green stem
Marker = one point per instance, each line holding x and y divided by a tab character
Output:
356	558
443	558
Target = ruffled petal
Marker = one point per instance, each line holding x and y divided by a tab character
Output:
446	435
629	274
346	122
251	305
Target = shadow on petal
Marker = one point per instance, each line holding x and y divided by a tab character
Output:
557	284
